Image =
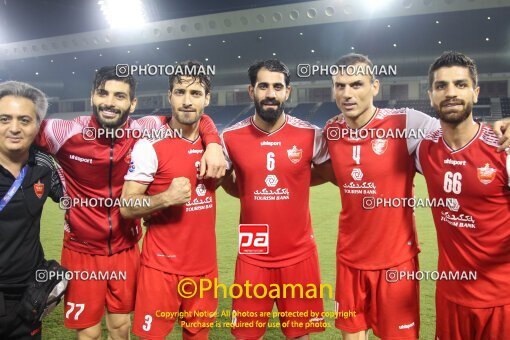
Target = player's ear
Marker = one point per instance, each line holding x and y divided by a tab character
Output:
133	105
476	93
430	98
207	99
375	87
250	92
288	91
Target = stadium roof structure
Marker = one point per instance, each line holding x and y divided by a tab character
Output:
57	44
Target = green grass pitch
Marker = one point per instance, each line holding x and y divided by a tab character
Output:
325	207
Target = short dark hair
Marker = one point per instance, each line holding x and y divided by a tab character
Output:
106	73
194	69
453	58
356	58
273	65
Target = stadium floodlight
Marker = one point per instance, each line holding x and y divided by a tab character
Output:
374	5
123	13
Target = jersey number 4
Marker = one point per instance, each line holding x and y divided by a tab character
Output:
452	182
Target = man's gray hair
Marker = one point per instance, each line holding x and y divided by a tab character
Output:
24	90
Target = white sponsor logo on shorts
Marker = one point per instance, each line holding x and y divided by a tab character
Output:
406	326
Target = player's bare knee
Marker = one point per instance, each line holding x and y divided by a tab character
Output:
91	333
118	326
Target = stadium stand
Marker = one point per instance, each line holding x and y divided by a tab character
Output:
303	111
505	106
422	105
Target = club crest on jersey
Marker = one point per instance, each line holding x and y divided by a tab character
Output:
39	189
295	154
486	174
379	146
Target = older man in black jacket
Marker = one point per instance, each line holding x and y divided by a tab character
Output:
27	178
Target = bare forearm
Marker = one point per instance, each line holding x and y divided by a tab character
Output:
144	205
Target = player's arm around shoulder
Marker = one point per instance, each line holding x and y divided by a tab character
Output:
212	164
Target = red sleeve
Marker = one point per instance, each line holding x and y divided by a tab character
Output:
40	140
208	131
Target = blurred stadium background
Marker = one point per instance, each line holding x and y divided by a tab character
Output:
57	45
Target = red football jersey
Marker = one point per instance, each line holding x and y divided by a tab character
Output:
473	231
273	173
180	239
370	168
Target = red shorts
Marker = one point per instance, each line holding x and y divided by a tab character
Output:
99	281
454	321
371	299
302	273
159	305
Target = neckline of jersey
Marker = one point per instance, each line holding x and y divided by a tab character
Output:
476	136
265	132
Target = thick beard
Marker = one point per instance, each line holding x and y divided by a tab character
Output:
455	118
269	116
110	124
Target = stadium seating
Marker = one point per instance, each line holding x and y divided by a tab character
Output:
505	106
302	111
325	111
422	105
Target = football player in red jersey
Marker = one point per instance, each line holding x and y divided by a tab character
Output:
181	241
373	243
98	239
272	154
461	165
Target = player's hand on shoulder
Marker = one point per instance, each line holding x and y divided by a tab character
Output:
213	164
502	130
179	191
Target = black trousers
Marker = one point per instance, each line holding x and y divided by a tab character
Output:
11	325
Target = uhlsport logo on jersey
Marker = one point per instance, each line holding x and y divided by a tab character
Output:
253	239
486	174
379	146
295	154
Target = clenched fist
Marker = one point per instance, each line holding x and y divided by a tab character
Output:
179	191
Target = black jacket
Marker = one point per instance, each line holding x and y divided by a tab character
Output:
20	244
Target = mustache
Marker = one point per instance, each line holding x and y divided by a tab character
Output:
452	101
108	108
269	102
